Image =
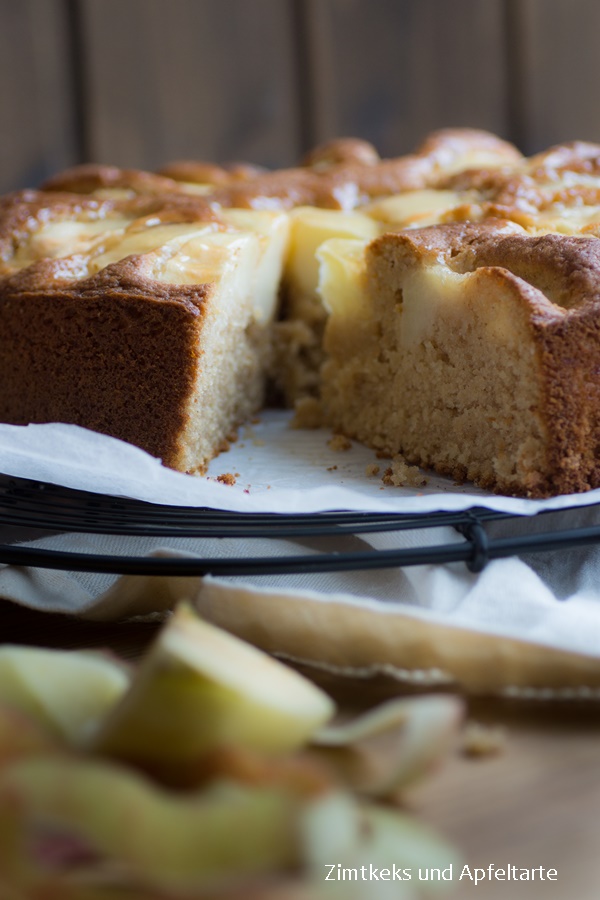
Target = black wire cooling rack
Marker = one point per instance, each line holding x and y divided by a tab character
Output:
51	508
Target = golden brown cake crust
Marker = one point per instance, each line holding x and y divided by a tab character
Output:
341	151
210	173
567	175
89	177
22	212
574	156
353	173
354	176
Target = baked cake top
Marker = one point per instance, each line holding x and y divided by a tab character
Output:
342	174
168	246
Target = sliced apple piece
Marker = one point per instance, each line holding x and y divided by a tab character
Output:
67	691
199	689
310	227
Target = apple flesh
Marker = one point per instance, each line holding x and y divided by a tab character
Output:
68	692
200	689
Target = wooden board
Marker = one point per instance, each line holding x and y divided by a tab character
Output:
36	92
554	50
534	804
190	79
392	70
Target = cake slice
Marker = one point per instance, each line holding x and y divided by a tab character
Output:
471	349
146	320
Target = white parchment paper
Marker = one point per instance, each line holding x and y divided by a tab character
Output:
277	469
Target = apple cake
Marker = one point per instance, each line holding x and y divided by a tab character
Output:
141	305
442	304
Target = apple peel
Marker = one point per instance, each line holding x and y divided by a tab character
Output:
91	821
393	745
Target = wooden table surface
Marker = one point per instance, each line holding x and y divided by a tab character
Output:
536	803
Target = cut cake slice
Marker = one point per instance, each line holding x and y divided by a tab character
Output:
471	349
150	326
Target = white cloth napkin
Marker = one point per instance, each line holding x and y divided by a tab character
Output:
548	603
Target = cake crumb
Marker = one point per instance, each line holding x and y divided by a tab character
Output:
372	470
226	478
339	442
483	740
383	454
331	468
308	413
400	473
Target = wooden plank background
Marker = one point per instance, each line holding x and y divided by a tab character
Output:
37	104
141	82
189	78
555	64
393	70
